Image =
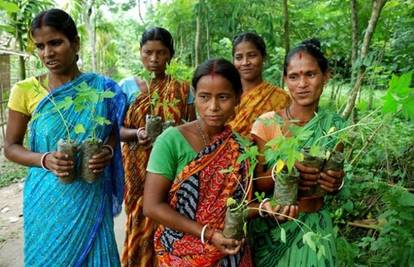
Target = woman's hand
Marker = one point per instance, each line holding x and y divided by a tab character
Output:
331	180
99	161
143	138
226	246
309	176
281	213
58	163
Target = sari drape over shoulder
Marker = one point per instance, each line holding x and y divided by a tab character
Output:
264	234
200	193
72	224
263	98
138	248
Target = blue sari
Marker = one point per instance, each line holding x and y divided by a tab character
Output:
72	224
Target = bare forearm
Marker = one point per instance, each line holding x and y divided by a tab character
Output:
165	215
19	154
128	134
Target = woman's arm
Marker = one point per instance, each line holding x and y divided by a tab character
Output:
264	181
156	207
15	151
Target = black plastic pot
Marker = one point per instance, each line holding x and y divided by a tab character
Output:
234	223
69	148
153	126
314	162
89	148
166	124
285	190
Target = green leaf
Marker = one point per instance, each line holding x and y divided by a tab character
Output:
108	94
283	235
79	128
102	121
229	170
9	7
308	240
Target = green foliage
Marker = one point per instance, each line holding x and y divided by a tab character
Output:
400	96
10	172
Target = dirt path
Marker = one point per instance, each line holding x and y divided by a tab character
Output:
11	226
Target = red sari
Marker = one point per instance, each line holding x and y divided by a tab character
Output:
210	188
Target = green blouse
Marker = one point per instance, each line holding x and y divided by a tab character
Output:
170	154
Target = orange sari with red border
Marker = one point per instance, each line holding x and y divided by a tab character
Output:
138	246
263	98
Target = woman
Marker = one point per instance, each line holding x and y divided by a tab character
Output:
65	224
249	54
156	51
186	190
305	73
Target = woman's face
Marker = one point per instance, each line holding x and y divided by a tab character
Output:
55	50
305	79
215	100
155	56
248	60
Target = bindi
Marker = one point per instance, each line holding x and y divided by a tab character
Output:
300	55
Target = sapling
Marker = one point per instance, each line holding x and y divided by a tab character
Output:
153	123
67	145
87	96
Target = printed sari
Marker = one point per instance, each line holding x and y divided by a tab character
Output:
209	190
265	234
72	224
263	98
138	247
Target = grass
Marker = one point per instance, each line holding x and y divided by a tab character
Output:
10	172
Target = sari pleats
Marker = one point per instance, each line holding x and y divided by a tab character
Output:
138	246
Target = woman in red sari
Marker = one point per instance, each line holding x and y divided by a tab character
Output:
186	189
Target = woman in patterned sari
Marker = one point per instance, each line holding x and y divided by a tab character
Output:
186	190
156	51
259	96
305	73
65	224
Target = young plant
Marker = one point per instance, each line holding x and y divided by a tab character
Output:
86	97
67	146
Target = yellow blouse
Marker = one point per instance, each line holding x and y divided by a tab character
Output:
26	95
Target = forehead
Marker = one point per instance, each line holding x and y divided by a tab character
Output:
302	62
245	46
214	84
154	45
45	33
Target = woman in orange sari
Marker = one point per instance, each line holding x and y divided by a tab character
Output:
259	96
186	189
156	51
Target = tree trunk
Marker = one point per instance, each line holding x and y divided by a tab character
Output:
90	26
22	62
377	6
286	42
354	22
207	38
197	47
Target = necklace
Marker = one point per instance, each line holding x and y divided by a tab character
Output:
203	136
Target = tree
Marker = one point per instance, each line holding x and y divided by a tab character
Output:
377	6
18	21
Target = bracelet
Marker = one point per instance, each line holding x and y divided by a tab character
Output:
342	184
42	161
202	233
139	130
261	205
110	149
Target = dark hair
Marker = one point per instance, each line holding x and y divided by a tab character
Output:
58	19
253	38
222	67
311	47
158	34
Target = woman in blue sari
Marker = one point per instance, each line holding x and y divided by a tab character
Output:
65	224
